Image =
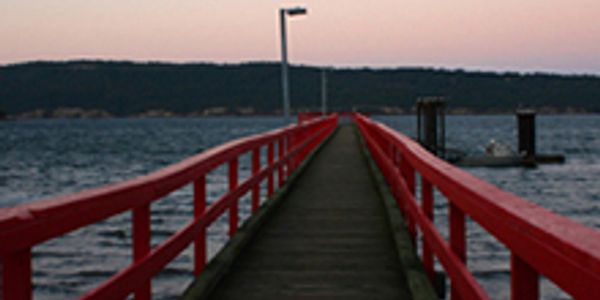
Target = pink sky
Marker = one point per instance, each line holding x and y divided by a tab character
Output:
535	35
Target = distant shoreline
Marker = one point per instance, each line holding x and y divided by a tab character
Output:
102	89
79	113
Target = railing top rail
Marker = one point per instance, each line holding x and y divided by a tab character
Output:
35	222
556	246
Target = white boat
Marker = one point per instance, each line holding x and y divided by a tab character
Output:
497	149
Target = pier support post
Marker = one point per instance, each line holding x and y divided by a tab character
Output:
431	129
526	126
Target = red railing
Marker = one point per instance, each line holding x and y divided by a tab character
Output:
25	226
540	242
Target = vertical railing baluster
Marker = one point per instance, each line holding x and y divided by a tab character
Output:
233	208
270	158
289	146
409	175
307	145
295	143
396	162
427	206
199	208
280	155
525	284
141	245
314	142
16	276
402	168
256	187
298	143
299	139
457	240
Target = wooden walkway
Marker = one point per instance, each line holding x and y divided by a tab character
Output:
329	239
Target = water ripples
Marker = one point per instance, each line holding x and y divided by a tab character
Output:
46	158
569	189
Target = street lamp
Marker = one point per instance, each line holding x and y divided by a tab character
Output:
294	11
324	91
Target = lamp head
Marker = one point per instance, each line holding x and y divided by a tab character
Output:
295	11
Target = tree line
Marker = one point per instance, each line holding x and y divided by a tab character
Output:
125	88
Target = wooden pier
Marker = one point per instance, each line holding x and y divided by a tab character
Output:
330	238
344	208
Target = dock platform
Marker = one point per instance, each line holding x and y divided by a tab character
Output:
330	238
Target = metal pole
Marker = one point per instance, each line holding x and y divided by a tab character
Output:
324	92
284	69
419	116
442	129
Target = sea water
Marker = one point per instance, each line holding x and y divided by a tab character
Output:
46	158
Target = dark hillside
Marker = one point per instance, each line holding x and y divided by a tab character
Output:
124	88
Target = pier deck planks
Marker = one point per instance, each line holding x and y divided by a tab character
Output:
329	239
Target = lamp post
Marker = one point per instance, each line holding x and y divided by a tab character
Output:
295	11
324	91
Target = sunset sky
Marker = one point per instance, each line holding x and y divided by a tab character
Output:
537	35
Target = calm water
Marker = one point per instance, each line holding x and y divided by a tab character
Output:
45	158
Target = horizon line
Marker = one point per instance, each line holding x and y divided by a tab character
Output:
524	72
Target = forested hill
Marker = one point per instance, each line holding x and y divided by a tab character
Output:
125	88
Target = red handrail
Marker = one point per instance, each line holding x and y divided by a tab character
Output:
25	226
541	242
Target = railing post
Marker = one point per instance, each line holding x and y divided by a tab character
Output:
524	280
290	160
255	169
396	160
409	176
141	245
303	133
427	206
309	146
457	240
18	285
280	155
270	158
297	142
199	208
402	167
233	209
